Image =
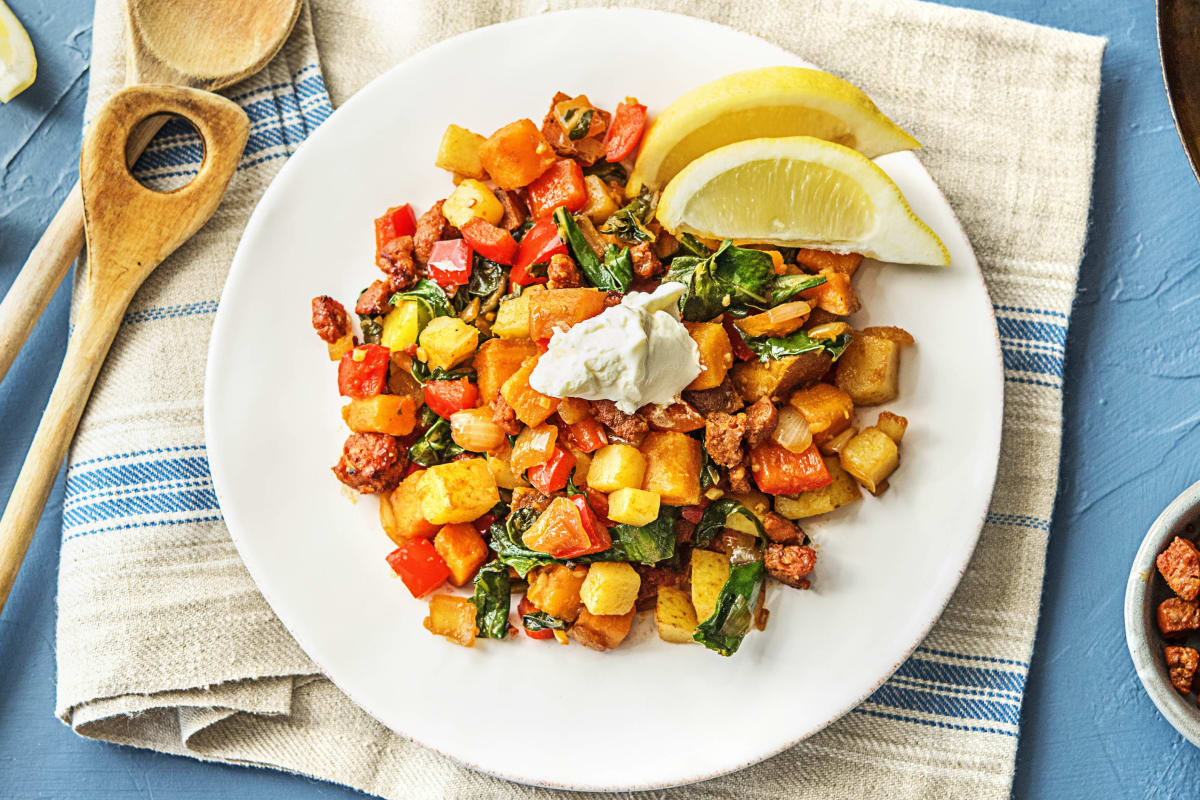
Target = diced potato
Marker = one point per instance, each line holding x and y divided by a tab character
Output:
496	361
528	496
602	632
673	463
341	347
869	370
842	491
893	425
512	318
516	154
557	309
401	325
500	466
448	341
826	408
616	466
716	353
531	406
463	550
633	506
674	615
709	573
574	409
400	511
452	617
459	152
460	491
611	587
822	261
835	295
776	377
870	457
600	204
471	199
557	529
383	413
554	589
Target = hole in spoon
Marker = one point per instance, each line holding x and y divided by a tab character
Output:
173	156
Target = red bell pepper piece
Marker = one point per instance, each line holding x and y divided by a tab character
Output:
483	523
419	566
778	470
625	131
597	534
525	607
489	241
740	350
587	435
450	264
362	372
552	475
561	185
446	397
598	500
396	221
540	243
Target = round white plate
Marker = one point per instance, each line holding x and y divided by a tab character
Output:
649	714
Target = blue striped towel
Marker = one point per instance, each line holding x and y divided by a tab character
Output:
163	640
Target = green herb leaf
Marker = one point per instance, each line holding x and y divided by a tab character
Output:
486	276
713	520
788	286
435	445
768	347
644	544
616	269
734	613
505	539
728	279
580	124
519	232
709	474
693	246
607	171
430	298
423	374
541	621
491	598
614	273
629	223
372	329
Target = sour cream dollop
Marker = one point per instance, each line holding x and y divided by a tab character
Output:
634	353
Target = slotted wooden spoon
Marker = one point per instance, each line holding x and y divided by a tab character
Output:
204	44
130	230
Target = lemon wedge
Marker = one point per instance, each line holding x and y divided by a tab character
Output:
18	65
772	101
798	191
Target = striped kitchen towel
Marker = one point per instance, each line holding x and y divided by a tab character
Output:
163	640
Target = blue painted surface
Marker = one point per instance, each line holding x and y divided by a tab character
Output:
1131	430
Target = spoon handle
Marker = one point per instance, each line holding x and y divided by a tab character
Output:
93	336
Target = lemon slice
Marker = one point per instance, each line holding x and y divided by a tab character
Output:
772	101
798	191
18	65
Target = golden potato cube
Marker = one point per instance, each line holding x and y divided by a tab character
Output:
341	347
633	506
842	491
496	361
674	615
673	463
459	152
716	353
516	154
616	466
448	341
512	317
611	587
709	572
472	199
871	457
869	370
600	204
776	377
460	491
400	511
554	589
452	617
602	632
893	425
463	550
401	325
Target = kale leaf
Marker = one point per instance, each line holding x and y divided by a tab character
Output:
629	222
430	298
435	445
423	374
505	536
486	276
491	599
644	544
768	347
734	613
730	278
541	621
614	273
607	171
693	246
788	286
713	520
579	127
372	328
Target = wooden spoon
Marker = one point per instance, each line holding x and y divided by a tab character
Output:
205	44
130	230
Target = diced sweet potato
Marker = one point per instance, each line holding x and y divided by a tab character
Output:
827	409
1180	567
823	260
516	154
460	491
716	353
778	376
843	490
459	152
496	361
554	589
559	309
463	550
558	529
672	467
835	295
602	632
452	617
869	370
531	406
400	511
870	457
383	413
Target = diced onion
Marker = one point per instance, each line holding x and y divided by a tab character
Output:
830	330
778	321
791	432
836	444
474	430
534	446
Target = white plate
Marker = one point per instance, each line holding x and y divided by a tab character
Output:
649	714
